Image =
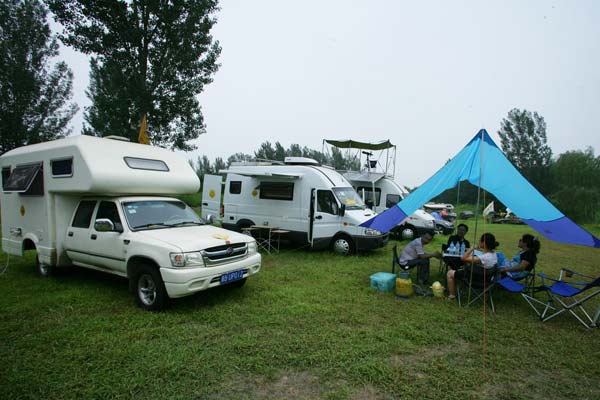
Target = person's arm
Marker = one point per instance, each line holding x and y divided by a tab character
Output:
469	257
522	266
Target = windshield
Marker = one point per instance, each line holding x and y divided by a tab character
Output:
349	197
151	214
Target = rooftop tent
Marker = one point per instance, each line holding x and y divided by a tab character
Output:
483	164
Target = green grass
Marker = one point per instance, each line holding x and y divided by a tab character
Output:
308	326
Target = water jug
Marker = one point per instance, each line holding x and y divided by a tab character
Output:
404	287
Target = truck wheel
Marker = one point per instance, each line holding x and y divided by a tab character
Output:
150	291
408	233
44	270
343	245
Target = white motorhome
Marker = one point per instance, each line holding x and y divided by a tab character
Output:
378	189
315	204
97	203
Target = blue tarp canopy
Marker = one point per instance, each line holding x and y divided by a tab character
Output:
482	163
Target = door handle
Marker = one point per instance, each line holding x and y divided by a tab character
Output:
70	234
204	204
94	236
319	217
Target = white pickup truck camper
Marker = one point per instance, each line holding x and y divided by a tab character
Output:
316	204
99	203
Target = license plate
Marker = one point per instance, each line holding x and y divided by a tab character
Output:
232	276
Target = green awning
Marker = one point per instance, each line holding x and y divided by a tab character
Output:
353	144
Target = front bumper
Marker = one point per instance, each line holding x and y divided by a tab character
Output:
185	281
366	243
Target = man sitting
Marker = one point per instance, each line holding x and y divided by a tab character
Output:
414	255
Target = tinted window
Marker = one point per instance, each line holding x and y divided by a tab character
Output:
326	202
22	178
277	190
108	209
62	167
146	163
5	175
83	216
235	187
392	199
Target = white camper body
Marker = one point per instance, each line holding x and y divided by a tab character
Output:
316	204
381	192
97	203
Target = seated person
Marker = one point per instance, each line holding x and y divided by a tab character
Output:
414	255
486	260
524	261
458	239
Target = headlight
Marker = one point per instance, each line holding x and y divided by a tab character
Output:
252	248
193	259
372	232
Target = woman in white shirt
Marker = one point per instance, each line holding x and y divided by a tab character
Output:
482	263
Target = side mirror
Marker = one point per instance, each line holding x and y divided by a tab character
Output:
342	210
210	219
104	225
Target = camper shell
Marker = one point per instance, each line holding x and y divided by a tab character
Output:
375	184
315	204
73	201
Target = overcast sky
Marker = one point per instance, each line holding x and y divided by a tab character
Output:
425	74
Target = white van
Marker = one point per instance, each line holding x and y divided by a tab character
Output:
92	202
316	204
381	192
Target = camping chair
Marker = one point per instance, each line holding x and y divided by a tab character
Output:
480	288
562	296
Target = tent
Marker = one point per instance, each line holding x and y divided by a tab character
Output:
482	163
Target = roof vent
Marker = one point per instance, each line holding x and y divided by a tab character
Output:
115	137
300	161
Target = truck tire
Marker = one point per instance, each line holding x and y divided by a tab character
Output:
44	270
343	245
150	292
408	232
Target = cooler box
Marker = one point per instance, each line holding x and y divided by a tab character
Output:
383	281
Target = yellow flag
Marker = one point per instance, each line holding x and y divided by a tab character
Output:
143	136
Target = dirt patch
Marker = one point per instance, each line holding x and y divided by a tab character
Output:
298	386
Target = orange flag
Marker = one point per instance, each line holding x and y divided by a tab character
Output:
143	136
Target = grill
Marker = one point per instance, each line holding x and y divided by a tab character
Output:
221	254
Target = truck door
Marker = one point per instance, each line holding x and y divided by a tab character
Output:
211	196
326	215
88	246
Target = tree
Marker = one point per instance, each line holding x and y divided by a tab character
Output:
33	95
150	58
577	178
523	138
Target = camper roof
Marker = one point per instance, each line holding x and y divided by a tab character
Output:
364	176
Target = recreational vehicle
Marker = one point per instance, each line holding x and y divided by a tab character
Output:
376	186
100	203
315	204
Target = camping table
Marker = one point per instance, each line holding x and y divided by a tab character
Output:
265	238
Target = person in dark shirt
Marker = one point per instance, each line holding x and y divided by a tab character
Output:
458	239
524	261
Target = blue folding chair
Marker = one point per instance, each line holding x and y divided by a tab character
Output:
562	296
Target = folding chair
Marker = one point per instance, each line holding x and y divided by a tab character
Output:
482	285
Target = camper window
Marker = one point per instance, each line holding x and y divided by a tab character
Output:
326	202
83	216
22	178
108	209
146	163
392	199
5	175
62	168
277	190
369	195
235	187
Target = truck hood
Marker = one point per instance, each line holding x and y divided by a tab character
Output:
194	238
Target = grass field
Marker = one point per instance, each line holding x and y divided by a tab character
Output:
308	326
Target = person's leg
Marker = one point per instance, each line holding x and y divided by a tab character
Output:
423	271
451	283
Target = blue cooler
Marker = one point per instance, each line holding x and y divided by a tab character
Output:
383	281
